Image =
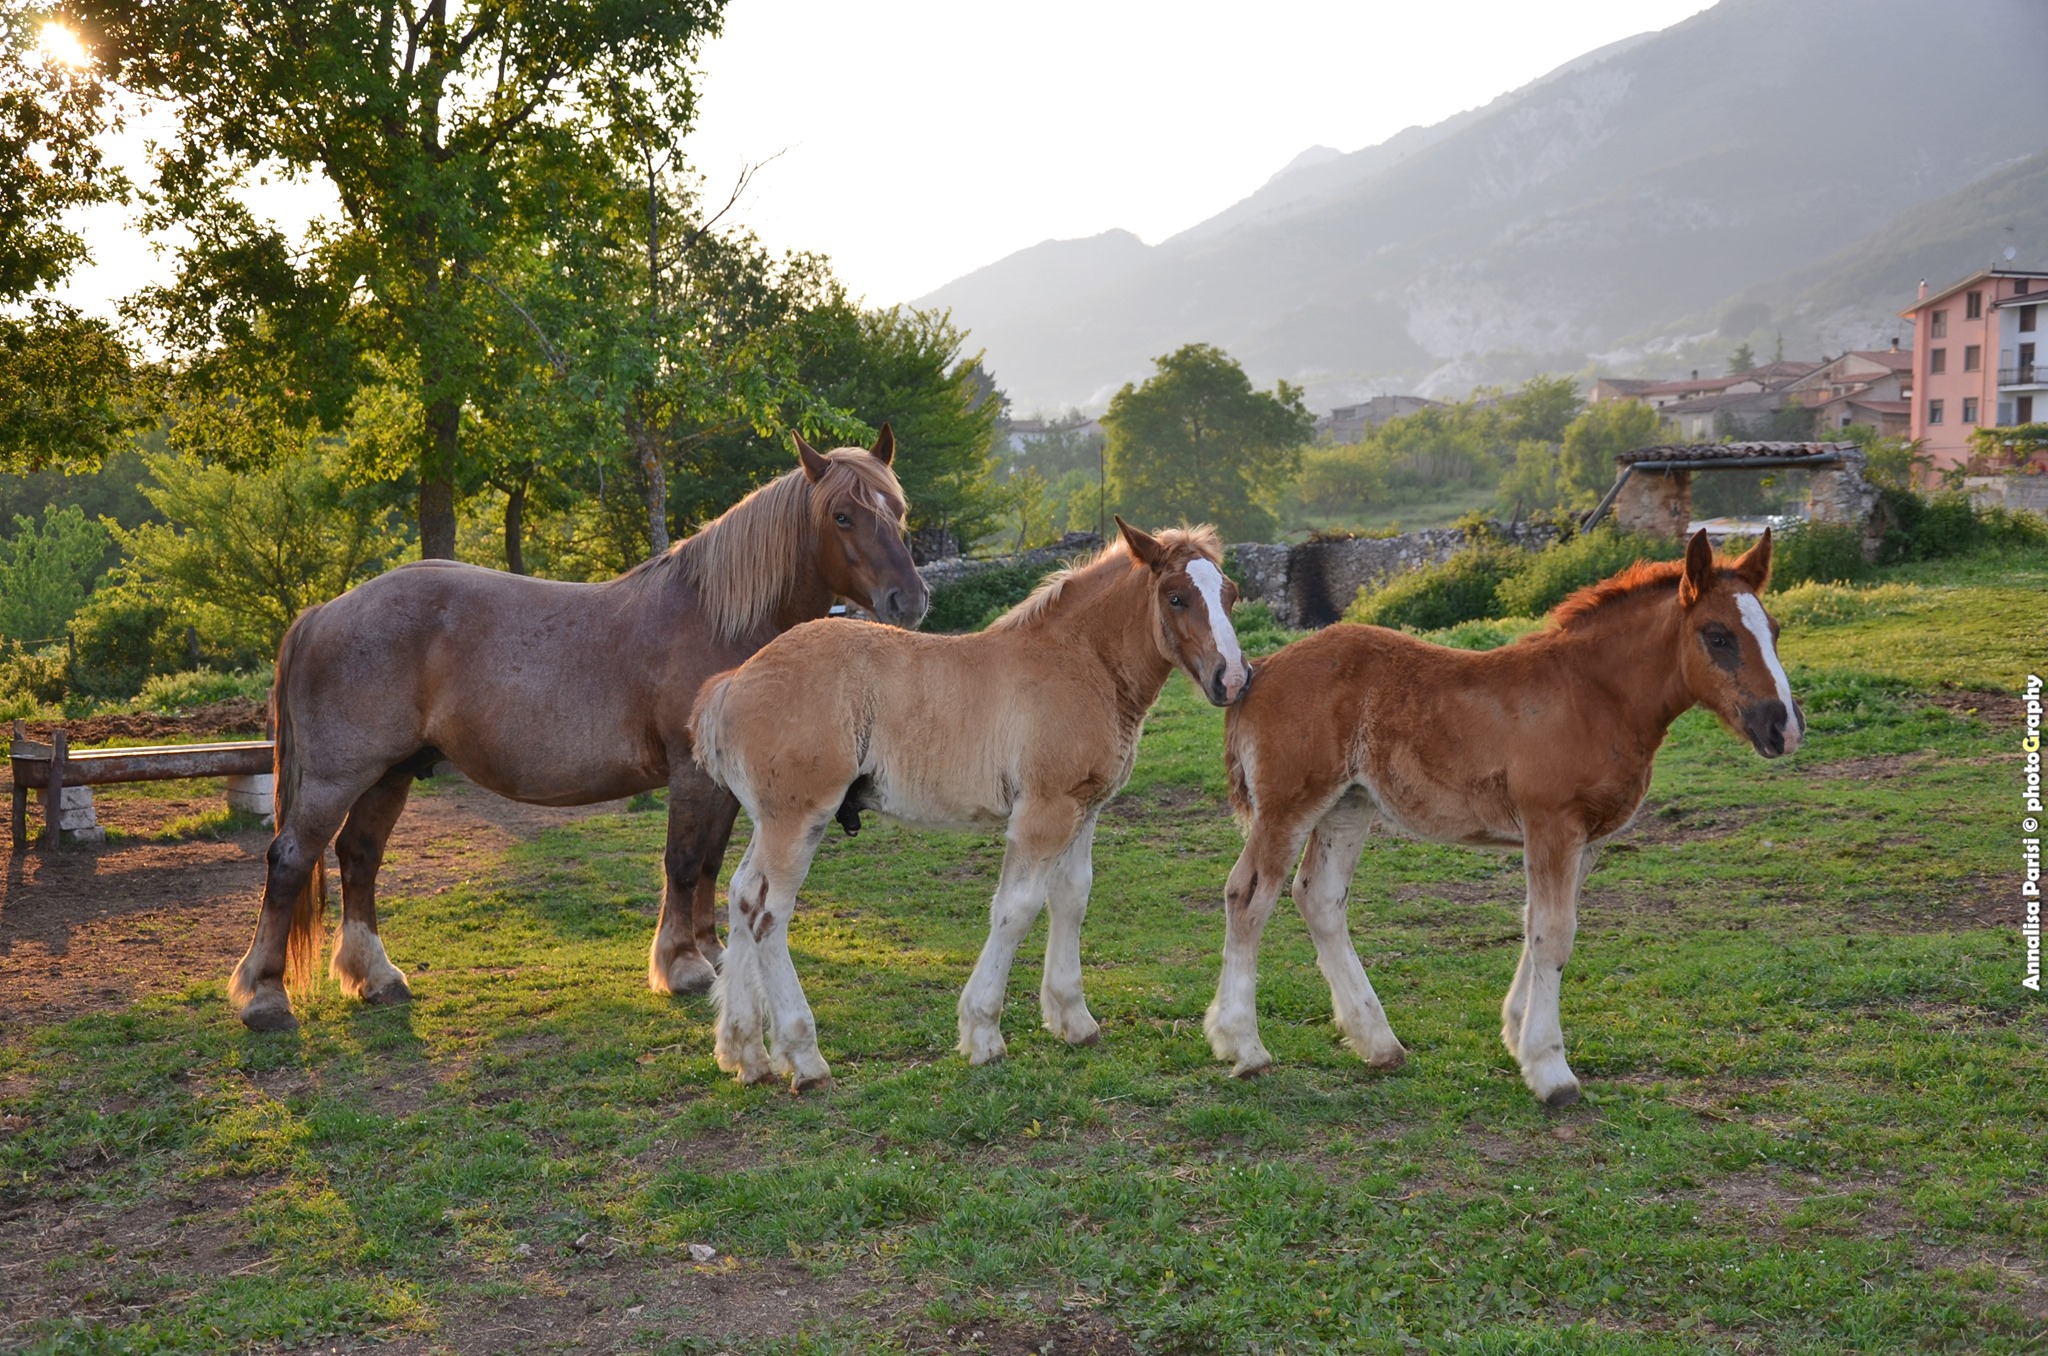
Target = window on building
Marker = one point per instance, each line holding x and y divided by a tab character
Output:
2027	319
1969	409
1934	411
1973	357
2024	413
1937	360
1937	325
2021	288
2004	412
1973	306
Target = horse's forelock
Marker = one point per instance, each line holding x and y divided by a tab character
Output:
857	472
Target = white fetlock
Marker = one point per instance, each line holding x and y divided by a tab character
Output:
982	1042
1071	1022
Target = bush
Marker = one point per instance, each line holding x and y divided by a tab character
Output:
1546	578
30	680
201	687
124	634
972	603
1821	553
1932	527
1463	588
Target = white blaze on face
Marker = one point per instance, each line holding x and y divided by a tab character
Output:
1760	626
1209	580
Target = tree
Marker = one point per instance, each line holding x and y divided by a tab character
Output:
904	367
1594	440
438	131
1197	443
1742	359
68	391
47	572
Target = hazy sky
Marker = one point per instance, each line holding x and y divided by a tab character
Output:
922	140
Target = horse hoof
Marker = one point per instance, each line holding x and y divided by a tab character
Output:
1094	1037
689	973
388	994
820	1082
1253	1068
1388	1063
1560	1098
269	1012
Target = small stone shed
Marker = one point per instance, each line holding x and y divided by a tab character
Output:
1652	492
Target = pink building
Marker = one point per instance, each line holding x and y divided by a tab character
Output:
1967	367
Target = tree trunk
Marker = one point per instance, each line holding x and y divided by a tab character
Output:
647	447
437	488
515	516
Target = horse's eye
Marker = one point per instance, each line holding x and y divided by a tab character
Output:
842	520
1720	640
1173	600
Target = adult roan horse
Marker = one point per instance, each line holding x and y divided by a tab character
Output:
552	693
1033	723
1545	744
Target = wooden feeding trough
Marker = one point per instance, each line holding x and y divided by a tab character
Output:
63	776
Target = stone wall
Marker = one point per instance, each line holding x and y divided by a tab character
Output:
953	569
1655	503
1311	584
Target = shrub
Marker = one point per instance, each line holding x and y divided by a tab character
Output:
30	680
200	687
1484	635
1258	632
1825	604
1546	578
1931	527
124	634
1461	589
972	603
1824	553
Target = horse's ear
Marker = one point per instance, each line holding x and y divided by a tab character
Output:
1754	569
1145	548
814	462
884	450
1699	569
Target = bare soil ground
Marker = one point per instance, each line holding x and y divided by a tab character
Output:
92	928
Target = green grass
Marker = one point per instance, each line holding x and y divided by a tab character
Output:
1814	1116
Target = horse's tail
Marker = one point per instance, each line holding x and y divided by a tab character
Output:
1235	740
707	728
309	908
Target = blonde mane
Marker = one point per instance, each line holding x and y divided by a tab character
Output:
1202	540
745	563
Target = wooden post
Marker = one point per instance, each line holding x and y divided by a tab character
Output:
59	745
20	818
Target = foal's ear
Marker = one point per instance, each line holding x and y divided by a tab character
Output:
884	450
814	461
1145	548
1699	569
1754	569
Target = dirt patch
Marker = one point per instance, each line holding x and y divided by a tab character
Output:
1167	802
1878	767
93	927
1089	1335
1999	710
234	716
195	1230
1661	822
599	1302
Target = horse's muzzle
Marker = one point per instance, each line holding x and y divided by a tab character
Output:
904	607
1774	731
1224	685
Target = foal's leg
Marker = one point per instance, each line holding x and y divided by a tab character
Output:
1320	886
1060	1003
700	815
360	965
763	898
1517	1000
1039	832
1232	1023
1556	859
303	831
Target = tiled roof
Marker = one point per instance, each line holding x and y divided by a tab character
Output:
1729	451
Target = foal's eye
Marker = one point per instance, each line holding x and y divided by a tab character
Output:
1173	600
1720	640
842	520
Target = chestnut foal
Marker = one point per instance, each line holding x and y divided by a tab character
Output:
1032	724
1545	744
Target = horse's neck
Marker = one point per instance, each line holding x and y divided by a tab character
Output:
1628	648
1126	645
787	580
